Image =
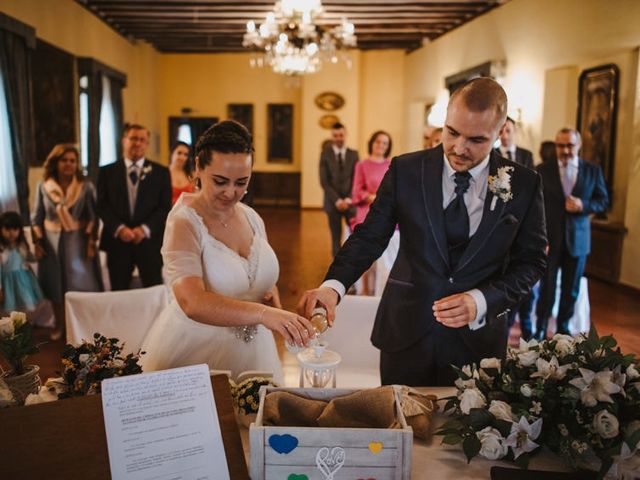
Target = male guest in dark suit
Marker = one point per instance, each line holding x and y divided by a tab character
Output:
337	164
472	244
134	198
509	150
573	190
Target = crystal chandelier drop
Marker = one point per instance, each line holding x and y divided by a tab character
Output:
290	42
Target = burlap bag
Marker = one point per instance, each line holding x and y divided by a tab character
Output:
285	409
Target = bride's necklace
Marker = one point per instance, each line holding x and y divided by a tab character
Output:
226	224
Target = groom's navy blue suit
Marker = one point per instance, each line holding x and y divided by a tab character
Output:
504	259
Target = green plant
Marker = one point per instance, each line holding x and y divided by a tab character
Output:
85	366
15	341
579	397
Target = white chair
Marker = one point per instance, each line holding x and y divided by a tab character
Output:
126	315
349	336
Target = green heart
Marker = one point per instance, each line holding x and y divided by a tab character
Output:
295	476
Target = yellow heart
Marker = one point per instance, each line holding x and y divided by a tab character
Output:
375	447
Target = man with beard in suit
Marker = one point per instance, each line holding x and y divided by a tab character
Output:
573	190
134	198
472	244
337	164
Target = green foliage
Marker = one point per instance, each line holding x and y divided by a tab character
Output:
585	391
16	341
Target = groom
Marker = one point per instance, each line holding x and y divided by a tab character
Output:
466	255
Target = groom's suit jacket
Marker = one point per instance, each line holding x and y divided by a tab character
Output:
504	258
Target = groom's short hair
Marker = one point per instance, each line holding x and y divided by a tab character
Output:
481	94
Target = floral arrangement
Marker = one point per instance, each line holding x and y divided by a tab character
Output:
500	186
579	397
85	366
15	341
246	394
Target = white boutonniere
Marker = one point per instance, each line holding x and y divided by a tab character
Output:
145	170
500	186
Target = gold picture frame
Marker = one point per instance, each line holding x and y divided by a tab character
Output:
328	121
329	101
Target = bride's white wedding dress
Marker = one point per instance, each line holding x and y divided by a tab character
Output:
175	340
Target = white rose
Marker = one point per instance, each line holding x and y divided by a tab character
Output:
490	363
19	319
526	390
44	395
491	441
606	424
6	327
632	372
83	357
471	398
528	358
564	344
501	410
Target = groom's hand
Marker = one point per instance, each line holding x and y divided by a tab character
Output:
455	311
325	296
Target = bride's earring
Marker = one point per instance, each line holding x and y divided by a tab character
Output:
245	192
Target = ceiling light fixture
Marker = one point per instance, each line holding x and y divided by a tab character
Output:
292	43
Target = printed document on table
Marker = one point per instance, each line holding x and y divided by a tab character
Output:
164	425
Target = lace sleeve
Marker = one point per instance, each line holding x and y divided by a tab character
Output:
181	249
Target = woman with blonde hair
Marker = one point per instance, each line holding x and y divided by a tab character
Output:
64	230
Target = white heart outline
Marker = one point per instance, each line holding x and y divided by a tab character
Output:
329	462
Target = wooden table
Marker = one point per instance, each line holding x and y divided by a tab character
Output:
66	439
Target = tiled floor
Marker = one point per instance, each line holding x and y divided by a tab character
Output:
301	241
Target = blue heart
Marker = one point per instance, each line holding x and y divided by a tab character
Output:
283	443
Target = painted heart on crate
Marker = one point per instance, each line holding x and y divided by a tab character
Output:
330	461
375	447
295	476
283	444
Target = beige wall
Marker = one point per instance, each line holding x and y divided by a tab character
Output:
208	83
546	44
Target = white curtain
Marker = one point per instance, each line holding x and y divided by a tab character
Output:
84	129
108	132
8	188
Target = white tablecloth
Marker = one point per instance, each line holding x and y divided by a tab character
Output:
431	460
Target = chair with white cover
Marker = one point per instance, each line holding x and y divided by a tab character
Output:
350	337
126	315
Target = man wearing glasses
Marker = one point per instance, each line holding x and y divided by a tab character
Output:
573	190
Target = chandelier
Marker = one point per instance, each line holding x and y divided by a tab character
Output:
292	43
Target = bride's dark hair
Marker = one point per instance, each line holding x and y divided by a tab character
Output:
227	136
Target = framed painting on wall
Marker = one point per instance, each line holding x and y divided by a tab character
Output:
597	112
242	113
280	133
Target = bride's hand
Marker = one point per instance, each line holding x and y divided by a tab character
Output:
294	329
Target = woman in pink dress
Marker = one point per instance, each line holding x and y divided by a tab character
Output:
366	180
180	168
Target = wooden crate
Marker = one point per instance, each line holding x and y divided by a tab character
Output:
368	453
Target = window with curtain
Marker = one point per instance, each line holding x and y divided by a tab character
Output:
108	126
8	188
101	121
84	121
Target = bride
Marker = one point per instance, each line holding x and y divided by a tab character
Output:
221	270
